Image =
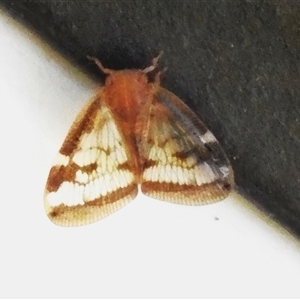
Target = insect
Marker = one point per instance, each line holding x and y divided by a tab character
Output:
134	133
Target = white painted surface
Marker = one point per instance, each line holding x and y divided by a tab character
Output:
147	249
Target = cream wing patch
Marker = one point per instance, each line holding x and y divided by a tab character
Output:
96	173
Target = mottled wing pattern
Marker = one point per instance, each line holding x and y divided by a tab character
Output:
92	174
183	161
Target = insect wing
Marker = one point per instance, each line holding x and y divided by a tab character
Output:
183	161
91	176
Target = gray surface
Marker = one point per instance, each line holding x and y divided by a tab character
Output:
236	64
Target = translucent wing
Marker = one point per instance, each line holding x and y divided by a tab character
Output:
183	161
92	175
